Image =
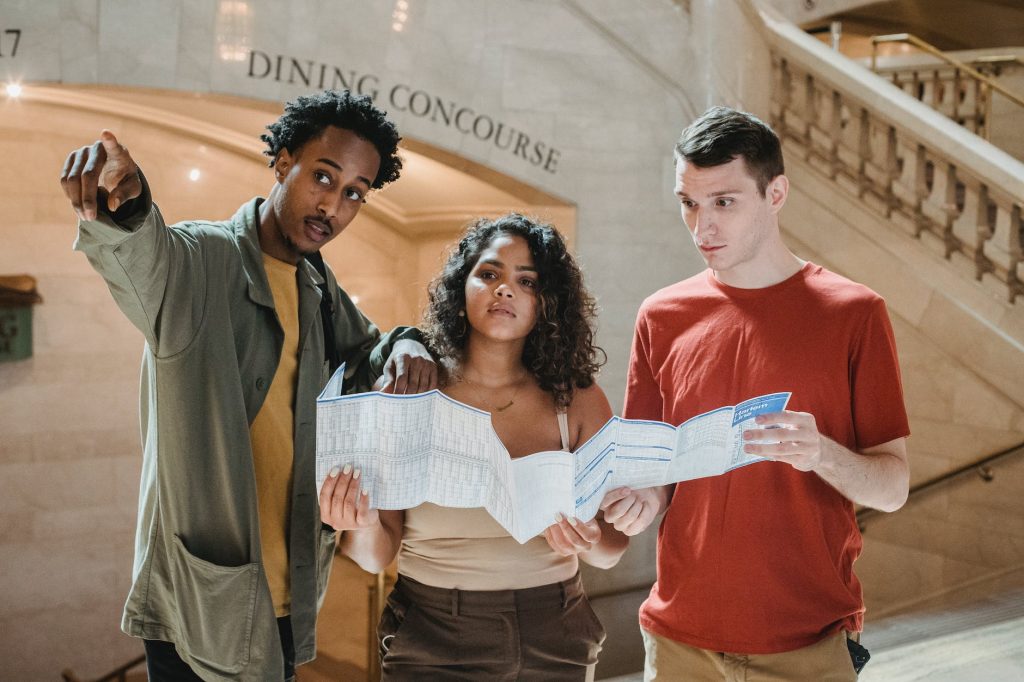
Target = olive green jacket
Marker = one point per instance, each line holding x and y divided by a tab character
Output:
199	294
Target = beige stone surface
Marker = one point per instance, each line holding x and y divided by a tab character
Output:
610	87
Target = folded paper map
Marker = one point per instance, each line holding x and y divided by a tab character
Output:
428	447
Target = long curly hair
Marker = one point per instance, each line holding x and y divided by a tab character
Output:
306	117
559	350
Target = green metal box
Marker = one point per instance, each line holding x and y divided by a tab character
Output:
15	333
17	296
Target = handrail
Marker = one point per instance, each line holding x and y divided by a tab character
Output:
997	59
982	63
936	52
982	467
120	673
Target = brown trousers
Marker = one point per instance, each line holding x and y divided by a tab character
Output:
826	661
545	633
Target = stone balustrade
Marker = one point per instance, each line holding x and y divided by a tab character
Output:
911	181
992	109
947	89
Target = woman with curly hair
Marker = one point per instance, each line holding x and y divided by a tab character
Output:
512	323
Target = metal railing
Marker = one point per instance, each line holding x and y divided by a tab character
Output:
954	87
983	469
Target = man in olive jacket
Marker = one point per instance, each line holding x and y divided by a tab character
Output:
231	559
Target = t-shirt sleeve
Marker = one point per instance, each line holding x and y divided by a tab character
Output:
643	395
879	414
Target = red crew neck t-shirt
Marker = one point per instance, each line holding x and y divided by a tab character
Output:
760	559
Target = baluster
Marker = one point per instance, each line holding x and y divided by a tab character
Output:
847	154
986	109
778	110
863	152
892	171
811	115
906	198
970	225
1002	248
836	130
956	96
951	209
923	189
787	95
936	90
979	117
935	180
1016	230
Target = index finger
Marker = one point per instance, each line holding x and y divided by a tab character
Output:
589	531
419	376
327	490
778	418
388	378
90	174
70	181
768	435
613	496
400	383
110	144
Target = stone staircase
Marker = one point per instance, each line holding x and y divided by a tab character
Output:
894	194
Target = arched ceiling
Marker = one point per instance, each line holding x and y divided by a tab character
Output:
438	191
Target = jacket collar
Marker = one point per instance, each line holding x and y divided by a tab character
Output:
246	223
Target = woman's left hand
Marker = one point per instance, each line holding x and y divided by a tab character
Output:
571	536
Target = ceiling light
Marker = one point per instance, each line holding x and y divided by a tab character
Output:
14	90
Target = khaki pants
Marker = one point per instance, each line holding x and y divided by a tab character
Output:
671	661
538	634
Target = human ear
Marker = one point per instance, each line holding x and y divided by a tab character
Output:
282	164
776	192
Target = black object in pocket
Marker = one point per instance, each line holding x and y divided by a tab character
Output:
858	654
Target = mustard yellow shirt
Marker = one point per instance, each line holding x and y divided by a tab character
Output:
272	438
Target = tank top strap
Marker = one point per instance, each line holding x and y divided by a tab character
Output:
563	428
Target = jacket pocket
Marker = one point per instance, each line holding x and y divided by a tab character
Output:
324	560
215	607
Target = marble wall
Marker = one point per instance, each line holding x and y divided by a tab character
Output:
598	90
582	100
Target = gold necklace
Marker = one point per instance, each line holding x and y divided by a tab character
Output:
511	401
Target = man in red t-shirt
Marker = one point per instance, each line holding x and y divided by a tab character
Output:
755	567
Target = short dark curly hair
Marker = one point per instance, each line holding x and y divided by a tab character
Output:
307	116
559	351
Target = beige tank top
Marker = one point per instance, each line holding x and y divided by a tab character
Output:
467	549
